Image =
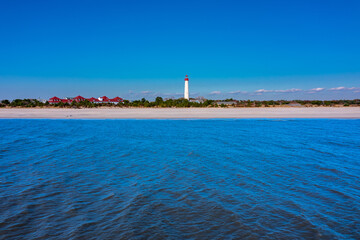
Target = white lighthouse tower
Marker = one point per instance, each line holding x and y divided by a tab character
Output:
186	90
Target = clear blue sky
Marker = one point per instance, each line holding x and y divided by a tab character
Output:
241	49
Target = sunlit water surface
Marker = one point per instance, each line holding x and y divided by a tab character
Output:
180	179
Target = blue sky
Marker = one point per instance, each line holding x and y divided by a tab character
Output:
133	49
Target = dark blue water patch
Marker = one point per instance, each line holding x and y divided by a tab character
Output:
180	179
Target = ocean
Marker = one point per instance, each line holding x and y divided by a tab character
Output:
180	179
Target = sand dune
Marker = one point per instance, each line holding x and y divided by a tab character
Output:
179	113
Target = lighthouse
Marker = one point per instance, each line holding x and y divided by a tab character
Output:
186	90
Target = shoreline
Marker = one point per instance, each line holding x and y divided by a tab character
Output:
180	113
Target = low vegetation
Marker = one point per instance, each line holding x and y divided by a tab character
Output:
160	102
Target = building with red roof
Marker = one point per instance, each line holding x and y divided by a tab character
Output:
93	100
116	100
54	100
103	99
66	100
79	99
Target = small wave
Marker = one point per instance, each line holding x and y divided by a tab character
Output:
108	197
319	151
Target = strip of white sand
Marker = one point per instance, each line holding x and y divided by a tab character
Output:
180	113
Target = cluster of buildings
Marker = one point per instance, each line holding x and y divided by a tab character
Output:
103	99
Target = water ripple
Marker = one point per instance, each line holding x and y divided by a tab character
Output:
203	179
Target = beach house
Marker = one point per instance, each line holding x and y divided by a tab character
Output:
103	99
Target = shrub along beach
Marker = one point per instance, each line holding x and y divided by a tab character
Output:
180	103
179	109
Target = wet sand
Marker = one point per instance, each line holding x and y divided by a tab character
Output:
180	113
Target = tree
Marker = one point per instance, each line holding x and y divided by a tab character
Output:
159	100
327	103
208	102
6	102
249	103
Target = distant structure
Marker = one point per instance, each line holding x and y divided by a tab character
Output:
227	103
186	90
103	99
197	100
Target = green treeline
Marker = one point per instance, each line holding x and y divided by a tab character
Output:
160	102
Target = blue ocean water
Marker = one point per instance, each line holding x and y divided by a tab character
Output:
180	179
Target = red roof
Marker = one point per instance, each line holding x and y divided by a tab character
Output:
79	98
105	99
54	99
66	100
93	99
116	99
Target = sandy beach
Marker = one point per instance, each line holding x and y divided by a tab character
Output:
180	113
